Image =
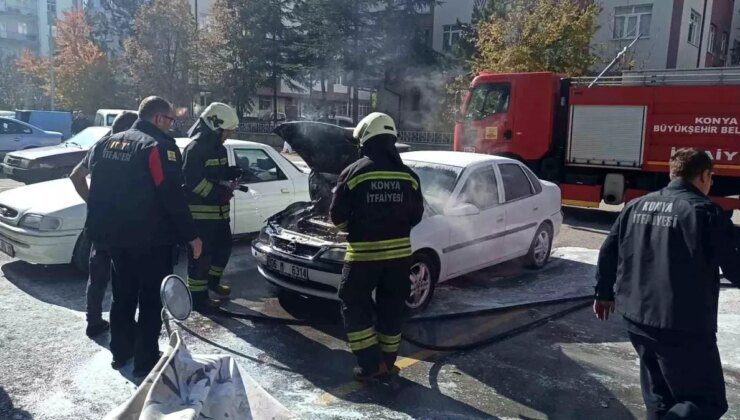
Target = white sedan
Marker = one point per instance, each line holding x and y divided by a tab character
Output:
42	223
481	210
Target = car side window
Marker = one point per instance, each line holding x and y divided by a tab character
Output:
516	183
10	127
480	189
258	166
533	179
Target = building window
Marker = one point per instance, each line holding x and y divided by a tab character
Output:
416	100
712	37
629	19
3	30
51	10
450	36
723	44
265	104
735	53
23	29
694	28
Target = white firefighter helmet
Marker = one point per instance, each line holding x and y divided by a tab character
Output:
220	116
373	125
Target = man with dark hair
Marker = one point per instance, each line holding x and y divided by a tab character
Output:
138	212
100	261
664	253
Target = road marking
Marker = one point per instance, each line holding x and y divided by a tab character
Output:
334	395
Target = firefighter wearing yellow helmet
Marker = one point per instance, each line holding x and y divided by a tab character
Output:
209	186
377	201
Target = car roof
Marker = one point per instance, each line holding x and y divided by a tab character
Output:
113	111
182	142
445	157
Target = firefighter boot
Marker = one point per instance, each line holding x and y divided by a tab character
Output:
390	362
363	375
221	290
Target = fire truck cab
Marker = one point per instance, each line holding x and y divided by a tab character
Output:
609	141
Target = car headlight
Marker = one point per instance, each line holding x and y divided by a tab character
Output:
334	254
40	222
24	163
264	236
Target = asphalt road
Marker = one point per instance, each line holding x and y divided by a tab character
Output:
572	367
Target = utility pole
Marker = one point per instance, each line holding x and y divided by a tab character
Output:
51	21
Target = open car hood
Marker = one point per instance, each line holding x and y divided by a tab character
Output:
325	148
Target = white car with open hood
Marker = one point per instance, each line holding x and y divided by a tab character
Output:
481	210
43	223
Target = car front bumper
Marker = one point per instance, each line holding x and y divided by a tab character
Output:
323	277
40	248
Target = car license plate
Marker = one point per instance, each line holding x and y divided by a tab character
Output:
7	170
290	270
7	248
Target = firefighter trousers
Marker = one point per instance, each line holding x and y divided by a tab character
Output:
680	373
136	278
374	328
205	272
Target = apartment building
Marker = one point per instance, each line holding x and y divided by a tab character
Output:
678	34
674	33
19	26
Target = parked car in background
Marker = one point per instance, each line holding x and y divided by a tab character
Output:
480	210
46	163
18	135
8	114
105	117
56	121
338	120
42	223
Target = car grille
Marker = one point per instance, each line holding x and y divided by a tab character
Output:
8	212
13	161
295	248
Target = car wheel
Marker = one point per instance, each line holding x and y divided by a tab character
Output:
423	277
81	254
539	251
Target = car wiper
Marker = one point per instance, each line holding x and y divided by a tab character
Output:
74	144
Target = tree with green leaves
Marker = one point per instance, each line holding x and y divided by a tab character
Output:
162	50
538	35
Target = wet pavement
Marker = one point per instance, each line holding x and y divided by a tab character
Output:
573	366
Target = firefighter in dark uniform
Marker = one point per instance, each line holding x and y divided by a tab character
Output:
664	253
377	201
136	209
209	186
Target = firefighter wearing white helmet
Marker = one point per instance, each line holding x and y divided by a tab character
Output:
210	185
377	201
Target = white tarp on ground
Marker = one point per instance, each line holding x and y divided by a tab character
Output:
183	386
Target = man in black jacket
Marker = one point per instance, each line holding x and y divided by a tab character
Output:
209	189
664	253
99	262
377	200
137	210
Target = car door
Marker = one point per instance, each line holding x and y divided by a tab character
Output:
475	241
522	211
13	135
270	190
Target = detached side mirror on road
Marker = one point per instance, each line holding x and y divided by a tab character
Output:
460	210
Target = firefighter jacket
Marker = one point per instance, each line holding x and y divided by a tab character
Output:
136	196
663	253
377	201
205	166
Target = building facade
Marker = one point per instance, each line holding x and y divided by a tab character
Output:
677	34
29	24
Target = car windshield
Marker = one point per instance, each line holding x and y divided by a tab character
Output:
110	118
87	137
437	182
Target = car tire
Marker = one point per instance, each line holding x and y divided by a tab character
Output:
541	247
81	254
423	276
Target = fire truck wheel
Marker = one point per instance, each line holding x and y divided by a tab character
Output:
539	250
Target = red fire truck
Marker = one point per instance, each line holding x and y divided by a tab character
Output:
609	140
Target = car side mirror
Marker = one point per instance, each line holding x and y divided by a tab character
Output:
465	209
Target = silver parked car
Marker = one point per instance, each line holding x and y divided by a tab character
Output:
17	135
